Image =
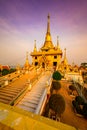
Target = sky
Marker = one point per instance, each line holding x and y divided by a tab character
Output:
24	21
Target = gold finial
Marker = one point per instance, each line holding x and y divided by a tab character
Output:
48	16
27	55
35	49
57	41
73	63
48	24
58	47
65	53
26	62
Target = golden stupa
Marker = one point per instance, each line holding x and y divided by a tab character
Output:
26	65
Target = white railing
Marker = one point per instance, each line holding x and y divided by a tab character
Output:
43	99
41	104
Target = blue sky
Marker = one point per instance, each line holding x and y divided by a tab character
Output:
23	21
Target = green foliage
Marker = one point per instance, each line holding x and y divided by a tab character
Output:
72	87
5	72
77	107
85	110
84	65
57	103
46	111
77	103
12	70
56	85
56	75
79	100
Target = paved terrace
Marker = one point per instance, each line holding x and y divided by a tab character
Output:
69	116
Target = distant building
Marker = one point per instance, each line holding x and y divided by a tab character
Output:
7	67
84	65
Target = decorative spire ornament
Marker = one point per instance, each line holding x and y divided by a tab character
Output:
35	49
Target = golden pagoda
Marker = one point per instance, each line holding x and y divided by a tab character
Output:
26	65
65	61
48	55
64	66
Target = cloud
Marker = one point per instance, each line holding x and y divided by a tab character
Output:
22	22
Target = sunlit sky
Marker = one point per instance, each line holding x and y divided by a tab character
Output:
23	21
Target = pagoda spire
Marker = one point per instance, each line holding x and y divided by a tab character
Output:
26	56
58	47
26	62
35	48
48	24
48	41
65	53
65	58
48	35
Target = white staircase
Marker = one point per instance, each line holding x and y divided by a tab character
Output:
34	99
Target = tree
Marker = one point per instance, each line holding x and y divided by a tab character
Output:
56	75
46	111
72	88
5	72
79	100
77	107
57	103
12	70
85	110
56	85
84	65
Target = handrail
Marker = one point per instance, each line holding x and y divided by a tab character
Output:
43	99
41	103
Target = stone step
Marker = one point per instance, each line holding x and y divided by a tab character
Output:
6	95
26	108
31	98
31	101
9	92
29	104
12	89
4	101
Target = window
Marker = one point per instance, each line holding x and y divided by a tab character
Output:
55	57
35	57
36	63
